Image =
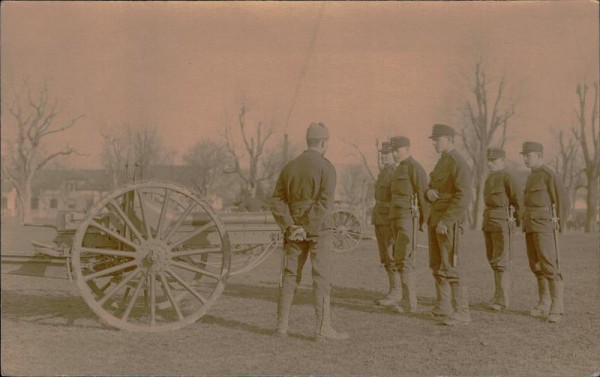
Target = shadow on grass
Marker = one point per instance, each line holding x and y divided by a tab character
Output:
483	307
233	324
48	310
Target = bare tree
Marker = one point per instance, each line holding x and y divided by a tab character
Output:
254	147
208	160
568	165
35	119
358	153
131	152
485	117
590	149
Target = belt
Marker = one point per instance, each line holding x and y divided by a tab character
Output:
302	203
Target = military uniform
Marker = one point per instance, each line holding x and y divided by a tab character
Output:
451	179
381	222
304	196
542	190
409	180
501	190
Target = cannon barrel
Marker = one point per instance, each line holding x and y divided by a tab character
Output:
199	219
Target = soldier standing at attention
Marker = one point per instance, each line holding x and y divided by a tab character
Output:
546	211
501	192
380	220
303	202
408	212
449	194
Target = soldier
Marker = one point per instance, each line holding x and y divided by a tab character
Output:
302	206
546	211
408	211
500	192
449	194
379	218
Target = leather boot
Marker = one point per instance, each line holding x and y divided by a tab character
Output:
395	296
461	314
543	305
442	307
409	293
556	293
284	306
391	283
323	329
501	297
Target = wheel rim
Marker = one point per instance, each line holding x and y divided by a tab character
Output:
346	232
151	256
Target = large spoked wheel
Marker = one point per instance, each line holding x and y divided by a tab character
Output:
151	256
347	231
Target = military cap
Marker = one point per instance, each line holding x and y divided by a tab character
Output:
532	146
442	130
495	153
386	147
399	141
317	131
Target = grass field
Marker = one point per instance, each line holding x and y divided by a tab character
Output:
47	329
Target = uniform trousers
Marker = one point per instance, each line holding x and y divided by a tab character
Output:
441	254
497	249
402	228
383	234
542	255
321	257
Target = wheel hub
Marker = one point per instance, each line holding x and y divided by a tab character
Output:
154	255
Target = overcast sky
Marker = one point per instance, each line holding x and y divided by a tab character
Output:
374	70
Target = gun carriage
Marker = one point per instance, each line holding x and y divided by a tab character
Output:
153	256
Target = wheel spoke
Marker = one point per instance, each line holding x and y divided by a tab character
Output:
187	286
167	290
136	293
184	253
110	293
152	298
163	213
110	270
126	218
143	211
179	221
114	253
193	234
113	234
194	269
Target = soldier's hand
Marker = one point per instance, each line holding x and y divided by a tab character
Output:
297	233
441	228
432	195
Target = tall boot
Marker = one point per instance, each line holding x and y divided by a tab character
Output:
556	293
391	283
502	295
323	329
284	306
461	314
395	296
543	305
442	307
409	293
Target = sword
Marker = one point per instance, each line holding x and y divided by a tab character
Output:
455	239
511	222
415	219
556	226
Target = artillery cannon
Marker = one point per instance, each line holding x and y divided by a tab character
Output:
153	256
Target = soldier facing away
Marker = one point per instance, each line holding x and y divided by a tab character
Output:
449	194
501	192
546	211
303	202
408	212
380	219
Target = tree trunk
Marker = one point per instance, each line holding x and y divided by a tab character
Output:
591	223
25	210
477	207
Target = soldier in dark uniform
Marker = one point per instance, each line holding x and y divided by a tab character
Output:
379	218
543	191
407	204
303	202
501	191
449	195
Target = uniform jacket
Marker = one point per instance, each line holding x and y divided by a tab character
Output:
304	193
451	178
544	188
409	179
500	191
383	195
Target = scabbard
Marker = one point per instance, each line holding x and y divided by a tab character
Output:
455	244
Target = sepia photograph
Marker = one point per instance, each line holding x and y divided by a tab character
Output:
274	188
